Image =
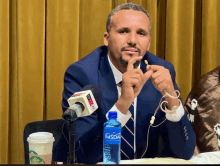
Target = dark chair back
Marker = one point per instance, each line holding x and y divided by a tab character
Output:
56	127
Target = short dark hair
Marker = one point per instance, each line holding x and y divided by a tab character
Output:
125	6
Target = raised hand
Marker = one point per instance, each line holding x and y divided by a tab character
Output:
162	81
132	82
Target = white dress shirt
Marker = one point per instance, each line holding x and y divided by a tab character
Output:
123	118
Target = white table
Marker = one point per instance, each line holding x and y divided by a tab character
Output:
167	160
207	158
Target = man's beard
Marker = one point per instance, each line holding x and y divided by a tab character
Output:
124	63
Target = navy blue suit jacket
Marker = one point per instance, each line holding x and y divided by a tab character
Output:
174	139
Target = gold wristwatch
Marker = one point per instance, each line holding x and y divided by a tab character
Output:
172	111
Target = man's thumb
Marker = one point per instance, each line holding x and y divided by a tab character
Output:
148	74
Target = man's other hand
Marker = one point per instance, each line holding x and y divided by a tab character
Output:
162	81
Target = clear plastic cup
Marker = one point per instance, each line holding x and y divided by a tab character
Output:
40	147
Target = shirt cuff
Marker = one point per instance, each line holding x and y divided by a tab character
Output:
176	116
122	118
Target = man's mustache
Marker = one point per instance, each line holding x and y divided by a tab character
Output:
136	49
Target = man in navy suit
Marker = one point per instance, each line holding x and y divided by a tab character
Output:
119	71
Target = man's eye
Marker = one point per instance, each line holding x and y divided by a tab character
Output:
123	31
142	34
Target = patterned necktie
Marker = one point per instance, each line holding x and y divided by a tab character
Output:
127	136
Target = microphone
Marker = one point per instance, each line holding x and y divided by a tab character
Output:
83	103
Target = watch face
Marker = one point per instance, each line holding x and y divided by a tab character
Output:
172	111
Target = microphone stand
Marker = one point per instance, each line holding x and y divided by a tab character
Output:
71	116
72	132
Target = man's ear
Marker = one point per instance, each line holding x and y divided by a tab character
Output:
105	38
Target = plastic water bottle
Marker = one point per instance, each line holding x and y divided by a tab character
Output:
112	140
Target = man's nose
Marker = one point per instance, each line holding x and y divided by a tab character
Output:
132	39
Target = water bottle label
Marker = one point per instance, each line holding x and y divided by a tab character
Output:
112	136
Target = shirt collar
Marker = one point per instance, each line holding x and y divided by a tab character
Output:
117	74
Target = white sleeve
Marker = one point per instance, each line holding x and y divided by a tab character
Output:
122	118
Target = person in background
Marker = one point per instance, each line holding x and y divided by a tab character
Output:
131	88
206	114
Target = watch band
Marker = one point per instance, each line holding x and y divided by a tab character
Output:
173	109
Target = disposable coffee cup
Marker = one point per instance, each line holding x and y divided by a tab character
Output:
40	147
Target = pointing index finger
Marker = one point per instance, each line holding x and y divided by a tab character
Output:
132	61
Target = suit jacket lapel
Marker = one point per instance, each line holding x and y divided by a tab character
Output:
107	82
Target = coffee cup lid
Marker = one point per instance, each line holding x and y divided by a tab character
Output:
41	137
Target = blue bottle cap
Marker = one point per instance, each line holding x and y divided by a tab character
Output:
112	114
